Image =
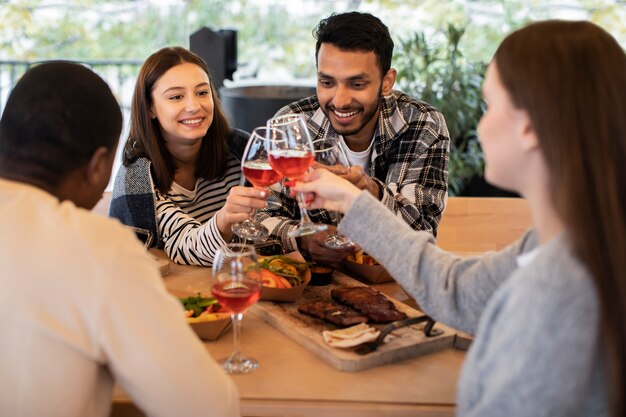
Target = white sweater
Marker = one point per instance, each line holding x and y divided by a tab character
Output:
82	306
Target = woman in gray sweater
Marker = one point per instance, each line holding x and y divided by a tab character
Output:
548	311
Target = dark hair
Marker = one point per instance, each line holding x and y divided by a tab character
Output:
571	79
145	138
55	118
355	31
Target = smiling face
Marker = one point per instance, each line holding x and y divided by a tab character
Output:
349	89
183	104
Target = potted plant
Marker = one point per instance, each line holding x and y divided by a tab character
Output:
439	74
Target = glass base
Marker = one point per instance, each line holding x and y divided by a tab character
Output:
338	241
307	229
238	365
249	230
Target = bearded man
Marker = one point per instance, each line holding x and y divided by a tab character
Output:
397	147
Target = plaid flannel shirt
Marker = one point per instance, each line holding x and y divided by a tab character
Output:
409	161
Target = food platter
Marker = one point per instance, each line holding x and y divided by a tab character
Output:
208	329
287	294
365	268
373	274
211	330
406	342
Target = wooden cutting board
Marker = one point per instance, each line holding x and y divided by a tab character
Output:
406	343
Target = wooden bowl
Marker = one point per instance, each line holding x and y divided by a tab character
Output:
211	330
373	274
206	330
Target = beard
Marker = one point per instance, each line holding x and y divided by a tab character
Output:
367	114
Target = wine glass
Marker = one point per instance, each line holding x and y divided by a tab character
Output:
329	152
236	285
257	169
291	159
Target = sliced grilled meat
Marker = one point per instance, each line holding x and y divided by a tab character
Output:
370	302
333	313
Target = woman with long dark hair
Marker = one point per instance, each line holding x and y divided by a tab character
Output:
181	163
549	311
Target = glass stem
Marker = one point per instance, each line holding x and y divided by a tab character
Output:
236	320
304	214
252	218
338	217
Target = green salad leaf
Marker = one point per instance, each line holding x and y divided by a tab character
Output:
198	304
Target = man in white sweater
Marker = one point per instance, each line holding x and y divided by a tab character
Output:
82	305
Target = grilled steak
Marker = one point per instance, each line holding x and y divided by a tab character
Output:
333	313
370	302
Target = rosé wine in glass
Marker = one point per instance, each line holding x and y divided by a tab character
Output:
234	286
260	173
292	158
291	164
257	169
236	296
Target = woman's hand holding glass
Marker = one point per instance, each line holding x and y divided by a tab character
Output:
236	285
327	191
240	203
256	168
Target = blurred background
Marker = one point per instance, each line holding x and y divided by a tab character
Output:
268	50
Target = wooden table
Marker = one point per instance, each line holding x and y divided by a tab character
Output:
291	381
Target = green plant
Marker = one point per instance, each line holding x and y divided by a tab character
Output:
438	73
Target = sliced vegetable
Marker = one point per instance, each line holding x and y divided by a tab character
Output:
362	258
291	270
368	260
272	280
208	317
284	283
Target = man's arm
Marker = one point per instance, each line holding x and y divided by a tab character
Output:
360	179
416	181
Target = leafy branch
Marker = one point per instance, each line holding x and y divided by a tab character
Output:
437	72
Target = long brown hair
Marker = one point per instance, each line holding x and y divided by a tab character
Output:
145	138
571	79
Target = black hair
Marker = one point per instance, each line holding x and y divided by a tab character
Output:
55	118
355	31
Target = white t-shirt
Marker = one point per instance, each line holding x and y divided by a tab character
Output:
361	158
82	306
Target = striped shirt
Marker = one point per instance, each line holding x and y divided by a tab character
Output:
186	219
409	161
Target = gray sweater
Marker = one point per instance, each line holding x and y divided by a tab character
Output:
537	350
